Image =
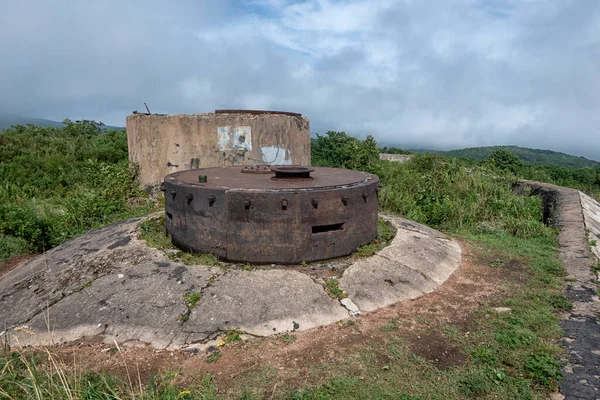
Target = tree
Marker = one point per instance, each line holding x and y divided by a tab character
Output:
339	150
505	161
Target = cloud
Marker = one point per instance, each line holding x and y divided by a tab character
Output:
439	74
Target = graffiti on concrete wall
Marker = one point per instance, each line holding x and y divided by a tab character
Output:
275	155
238	138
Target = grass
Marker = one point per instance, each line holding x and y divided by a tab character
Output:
11	248
44	375
385	234
333	289
509	355
288	338
192	300
60	183
153	231
57	183
233	335
215	355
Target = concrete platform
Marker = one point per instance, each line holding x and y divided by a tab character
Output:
110	285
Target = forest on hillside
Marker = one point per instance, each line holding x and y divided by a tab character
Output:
529	156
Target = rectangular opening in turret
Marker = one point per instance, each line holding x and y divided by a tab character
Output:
328	228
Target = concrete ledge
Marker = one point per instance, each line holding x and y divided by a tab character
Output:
110	285
573	213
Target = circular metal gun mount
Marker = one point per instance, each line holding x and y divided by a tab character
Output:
286	215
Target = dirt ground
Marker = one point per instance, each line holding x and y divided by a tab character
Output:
13	263
299	358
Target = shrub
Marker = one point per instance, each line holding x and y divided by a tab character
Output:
58	182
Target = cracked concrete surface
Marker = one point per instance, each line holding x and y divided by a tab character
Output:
111	285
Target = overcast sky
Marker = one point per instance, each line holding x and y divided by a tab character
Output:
437	74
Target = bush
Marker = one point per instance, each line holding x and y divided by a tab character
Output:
505	161
59	182
440	191
339	150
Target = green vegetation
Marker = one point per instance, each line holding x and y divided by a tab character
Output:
509	355
529	156
233	335
214	357
9	120
333	289
538	165
393	150
153	231
57	183
46	376
385	234
288	338
192	300
341	151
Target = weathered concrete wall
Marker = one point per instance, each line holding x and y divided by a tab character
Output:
163	144
591	217
395	157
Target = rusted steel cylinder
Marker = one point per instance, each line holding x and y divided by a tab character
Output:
263	214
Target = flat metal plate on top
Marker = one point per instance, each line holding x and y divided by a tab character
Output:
233	178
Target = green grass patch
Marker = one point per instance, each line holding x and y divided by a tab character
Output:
233	335
43	375
11	247
385	234
192	300
333	289
60	182
508	355
215	355
154	233
288	338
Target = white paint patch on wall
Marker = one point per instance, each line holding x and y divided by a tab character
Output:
234	138
275	155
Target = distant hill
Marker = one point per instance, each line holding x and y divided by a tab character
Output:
530	156
8	120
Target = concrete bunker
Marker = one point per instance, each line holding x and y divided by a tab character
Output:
278	214
162	144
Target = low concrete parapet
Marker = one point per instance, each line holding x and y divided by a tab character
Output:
395	157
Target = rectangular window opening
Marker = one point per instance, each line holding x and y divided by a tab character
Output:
328	228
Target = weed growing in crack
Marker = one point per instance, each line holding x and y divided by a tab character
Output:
233	335
192	300
333	289
184	317
79	288
596	268
210	282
